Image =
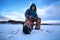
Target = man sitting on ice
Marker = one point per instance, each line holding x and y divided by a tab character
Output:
31	13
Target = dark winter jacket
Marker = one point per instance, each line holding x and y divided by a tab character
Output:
30	12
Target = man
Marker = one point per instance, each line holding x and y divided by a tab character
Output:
31	13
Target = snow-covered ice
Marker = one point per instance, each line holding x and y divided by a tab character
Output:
14	32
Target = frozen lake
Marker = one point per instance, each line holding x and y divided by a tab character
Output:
14	32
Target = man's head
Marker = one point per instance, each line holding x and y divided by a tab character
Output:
33	7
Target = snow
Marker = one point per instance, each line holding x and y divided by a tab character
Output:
14	32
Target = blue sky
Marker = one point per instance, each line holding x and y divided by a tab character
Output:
15	9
